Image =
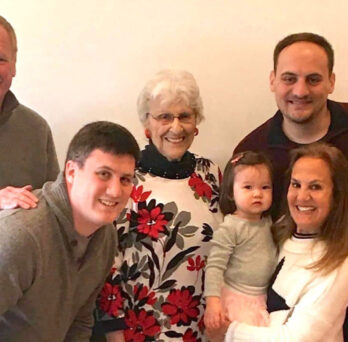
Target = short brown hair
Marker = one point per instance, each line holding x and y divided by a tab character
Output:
334	230
304	37
104	135
247	158
9	29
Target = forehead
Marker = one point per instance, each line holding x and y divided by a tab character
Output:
5	40
161	104
303	57
309	168
118	162
251	172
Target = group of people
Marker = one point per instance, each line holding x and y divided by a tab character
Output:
186	255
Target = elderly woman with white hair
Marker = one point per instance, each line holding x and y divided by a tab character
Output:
164	235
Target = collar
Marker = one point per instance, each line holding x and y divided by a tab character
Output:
304	235
57	198
9	104
154	162
338	125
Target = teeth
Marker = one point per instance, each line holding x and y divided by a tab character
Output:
305	208
175	140
108	203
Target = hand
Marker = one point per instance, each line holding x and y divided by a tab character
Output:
11	197
213	314
218	335
115	336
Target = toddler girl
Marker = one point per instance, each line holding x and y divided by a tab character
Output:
243	255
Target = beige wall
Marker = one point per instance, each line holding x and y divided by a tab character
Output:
85	60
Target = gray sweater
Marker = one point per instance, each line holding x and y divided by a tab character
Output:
27	153
50	275
243	256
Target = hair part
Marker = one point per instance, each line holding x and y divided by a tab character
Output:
304	37
247	158
11	32
171	87
334	230
103	135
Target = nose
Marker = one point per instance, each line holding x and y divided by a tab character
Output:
303	194
176	126
300	88
114	188
257	192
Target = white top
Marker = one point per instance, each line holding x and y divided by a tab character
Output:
309	308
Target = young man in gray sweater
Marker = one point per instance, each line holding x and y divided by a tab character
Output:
54	258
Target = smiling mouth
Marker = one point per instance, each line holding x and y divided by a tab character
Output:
304	209
175	140
108	203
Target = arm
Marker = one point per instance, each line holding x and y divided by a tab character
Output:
18	264
11	197
318	315
223	244
81	328
52	168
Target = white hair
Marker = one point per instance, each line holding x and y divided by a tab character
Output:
171	86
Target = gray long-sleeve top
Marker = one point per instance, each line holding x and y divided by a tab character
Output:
243	256
49	274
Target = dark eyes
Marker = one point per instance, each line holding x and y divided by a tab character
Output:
311	80
314	186
126	180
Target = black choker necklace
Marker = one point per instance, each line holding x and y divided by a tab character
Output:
153	162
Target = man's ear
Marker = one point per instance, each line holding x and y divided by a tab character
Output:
70	171
272	80
332	80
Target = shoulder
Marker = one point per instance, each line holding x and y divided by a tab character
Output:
30	118
31	220
257	138
16	238
232	225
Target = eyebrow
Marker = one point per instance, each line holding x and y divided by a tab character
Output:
112	170
312	181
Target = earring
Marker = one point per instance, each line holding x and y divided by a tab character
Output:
147	134
196	131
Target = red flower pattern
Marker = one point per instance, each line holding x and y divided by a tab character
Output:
151	222
195	265
142	292
181	306
141	326
111	299
190	336
201	188
138	195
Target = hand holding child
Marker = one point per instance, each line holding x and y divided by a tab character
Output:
213	315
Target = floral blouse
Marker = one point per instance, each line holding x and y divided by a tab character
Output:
164	235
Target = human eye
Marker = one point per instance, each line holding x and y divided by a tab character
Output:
314	79
103	174
315	186
165	117
295	184
127	180
267	187
247	187
185	117
289	79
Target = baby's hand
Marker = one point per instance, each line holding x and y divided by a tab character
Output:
213	315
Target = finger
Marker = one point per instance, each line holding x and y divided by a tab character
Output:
27	194
27	187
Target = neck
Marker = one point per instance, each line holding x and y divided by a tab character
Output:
307	132
81	226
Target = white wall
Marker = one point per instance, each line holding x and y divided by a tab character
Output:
85	60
